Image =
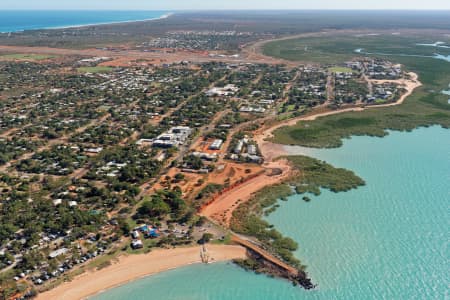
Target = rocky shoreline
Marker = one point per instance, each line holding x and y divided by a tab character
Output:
258	264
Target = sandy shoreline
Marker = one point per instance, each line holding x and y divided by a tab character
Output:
132	267
165	16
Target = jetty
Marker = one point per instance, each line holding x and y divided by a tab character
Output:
204	254
264	254
283	269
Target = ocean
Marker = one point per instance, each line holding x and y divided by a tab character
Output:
386	240
13	21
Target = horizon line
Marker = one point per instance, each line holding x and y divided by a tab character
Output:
231	9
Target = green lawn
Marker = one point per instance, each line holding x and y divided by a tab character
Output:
98	69
340	70
427	106
18	56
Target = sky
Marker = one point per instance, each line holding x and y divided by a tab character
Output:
225	4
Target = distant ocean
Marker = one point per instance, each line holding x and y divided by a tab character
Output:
13	21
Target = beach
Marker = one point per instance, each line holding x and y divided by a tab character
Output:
132	267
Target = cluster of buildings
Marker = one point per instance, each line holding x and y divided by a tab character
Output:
62	256
349	87
343	75
63	267
111	169
205	156
373	69
382	92
380	69
93	60
147	231
224	56
126	79
257	104
174	137
208	33
308	89
59	201
246	150
228	90
199	40
354	65
252	109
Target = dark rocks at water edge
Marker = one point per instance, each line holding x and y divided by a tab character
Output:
259	265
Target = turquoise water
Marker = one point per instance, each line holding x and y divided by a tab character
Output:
11	21
386	240
218	281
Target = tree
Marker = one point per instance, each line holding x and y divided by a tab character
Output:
205	238
124	226
179	177
194	162
154	208
201	221
31	259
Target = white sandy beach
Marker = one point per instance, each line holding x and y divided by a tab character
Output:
132	267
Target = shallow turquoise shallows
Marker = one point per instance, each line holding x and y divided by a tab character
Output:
387	240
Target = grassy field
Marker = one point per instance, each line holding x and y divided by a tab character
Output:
98	69
340	70
427	106
18	56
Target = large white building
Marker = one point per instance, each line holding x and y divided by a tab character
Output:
174	137
228	90
216	144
